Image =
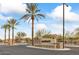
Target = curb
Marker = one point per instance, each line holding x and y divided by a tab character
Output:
72	46
65	49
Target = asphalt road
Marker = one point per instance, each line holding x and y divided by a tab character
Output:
23	50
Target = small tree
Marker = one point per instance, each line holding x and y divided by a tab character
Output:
21	35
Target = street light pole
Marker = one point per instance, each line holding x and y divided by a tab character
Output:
63	24
64	21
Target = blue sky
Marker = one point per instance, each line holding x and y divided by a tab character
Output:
52	22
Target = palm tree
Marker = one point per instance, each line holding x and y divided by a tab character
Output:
32	13
8	27
12	22
5	28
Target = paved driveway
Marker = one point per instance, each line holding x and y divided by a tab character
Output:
23	50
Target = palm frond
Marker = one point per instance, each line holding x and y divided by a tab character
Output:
17	23
26	16
32	9
37	19
8	26
29	5
41	15
37	11
29	19
4	26
9	21
27	10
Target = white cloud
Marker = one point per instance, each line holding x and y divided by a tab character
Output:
71	27
11	6
41	26
57	26
7	6
2	17
57	13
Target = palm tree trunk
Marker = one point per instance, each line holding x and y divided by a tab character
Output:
12	35
5	36
32	29
9	37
